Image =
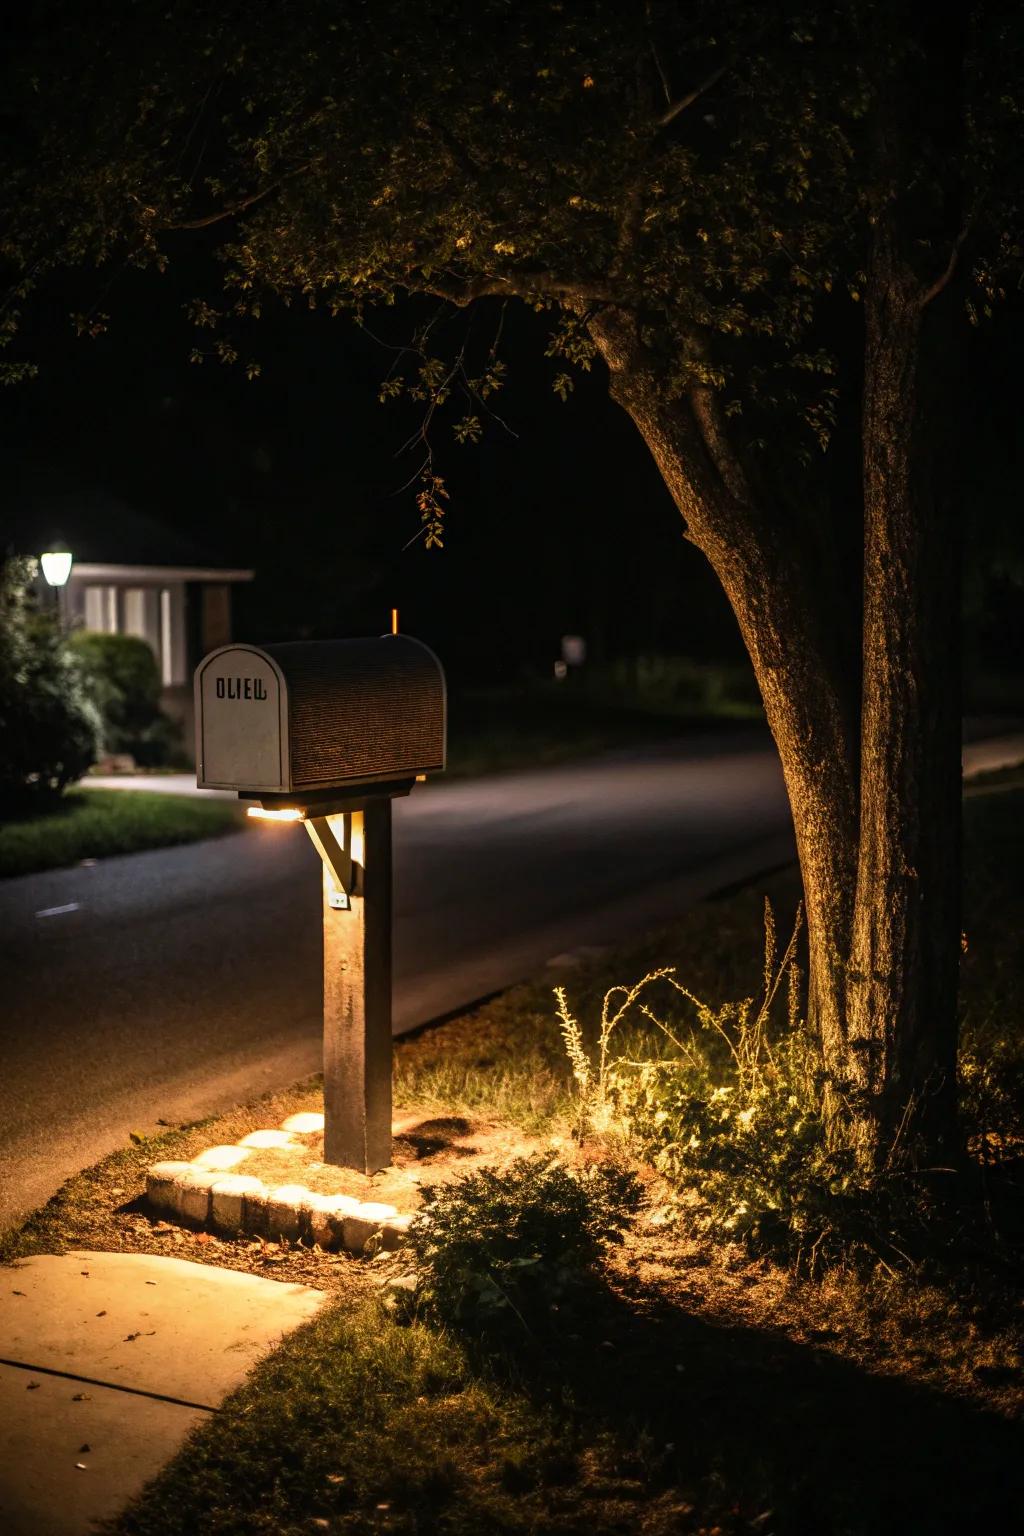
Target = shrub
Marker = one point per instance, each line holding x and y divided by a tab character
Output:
125	682
497	1250
49	727
727	1107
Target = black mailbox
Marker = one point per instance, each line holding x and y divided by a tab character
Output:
296	721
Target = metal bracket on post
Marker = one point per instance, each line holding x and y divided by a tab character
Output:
337	857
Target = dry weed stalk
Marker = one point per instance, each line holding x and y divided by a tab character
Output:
744	1031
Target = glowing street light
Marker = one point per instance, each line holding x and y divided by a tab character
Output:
56	564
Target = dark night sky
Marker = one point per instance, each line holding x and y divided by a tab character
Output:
564	527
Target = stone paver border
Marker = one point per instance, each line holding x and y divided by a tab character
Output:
234	1202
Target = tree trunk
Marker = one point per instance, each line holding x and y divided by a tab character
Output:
783	616
902	979
874	791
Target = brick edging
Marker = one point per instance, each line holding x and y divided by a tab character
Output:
232	1202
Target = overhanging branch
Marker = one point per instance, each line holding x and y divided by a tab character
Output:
691	96
244	203
946	277
522	285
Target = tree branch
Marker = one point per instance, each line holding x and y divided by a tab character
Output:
242	205
946	277
691	96
519	285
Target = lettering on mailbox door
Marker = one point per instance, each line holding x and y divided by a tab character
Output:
241	728
241	688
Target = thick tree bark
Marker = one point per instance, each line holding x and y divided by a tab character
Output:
873	789
783	615
902	978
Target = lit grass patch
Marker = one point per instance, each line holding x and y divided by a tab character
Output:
96	823
358	1424
502	1061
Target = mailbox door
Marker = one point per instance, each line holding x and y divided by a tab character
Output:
241	721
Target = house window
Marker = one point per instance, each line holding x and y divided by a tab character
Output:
101	609
135	613
166	653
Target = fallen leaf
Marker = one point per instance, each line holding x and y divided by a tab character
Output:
81	1397
33	1386
151	1282
80	1466
84	1272
202	1237
103	1313
137	1137
83	1450
17	1293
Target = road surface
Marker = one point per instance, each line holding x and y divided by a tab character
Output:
173	984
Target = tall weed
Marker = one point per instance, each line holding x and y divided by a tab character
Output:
725	1100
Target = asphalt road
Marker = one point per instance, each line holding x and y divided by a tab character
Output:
172	984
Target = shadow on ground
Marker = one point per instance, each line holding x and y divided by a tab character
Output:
761	1433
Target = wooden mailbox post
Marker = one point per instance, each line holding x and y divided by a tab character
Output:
329	733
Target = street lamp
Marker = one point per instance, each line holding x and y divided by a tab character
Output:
56	564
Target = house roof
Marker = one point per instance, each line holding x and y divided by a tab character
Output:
101	530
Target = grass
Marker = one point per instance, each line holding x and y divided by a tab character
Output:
96	823
691	1389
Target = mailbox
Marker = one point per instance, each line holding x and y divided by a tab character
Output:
305	720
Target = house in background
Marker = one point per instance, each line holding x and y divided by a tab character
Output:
134	576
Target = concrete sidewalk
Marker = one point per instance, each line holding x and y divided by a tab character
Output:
155	783
107	1361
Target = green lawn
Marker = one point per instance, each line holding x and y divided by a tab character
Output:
95	823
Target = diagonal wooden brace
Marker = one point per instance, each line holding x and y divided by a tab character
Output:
337	855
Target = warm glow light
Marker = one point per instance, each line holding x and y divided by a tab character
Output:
56	564
260	814
394	621
354	832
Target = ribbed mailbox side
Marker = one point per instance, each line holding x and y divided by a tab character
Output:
362	709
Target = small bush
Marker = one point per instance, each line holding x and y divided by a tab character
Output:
497	1250
125	682
726	1103
49	728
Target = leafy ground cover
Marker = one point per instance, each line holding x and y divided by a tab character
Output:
689	1379
96	823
